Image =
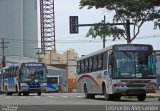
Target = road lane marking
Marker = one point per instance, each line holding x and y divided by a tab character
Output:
64	96
51	96
7	97
36	96
79	96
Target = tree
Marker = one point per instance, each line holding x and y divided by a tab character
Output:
137	11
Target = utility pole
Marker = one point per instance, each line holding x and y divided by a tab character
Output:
38	53
104	36
128	31
3	56
67	72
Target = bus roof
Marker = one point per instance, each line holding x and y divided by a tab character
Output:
97	52
109	48
9	66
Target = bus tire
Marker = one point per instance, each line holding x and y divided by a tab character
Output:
25	93
39	93
141	97
117	96
19	93
88	96
107	96
6	89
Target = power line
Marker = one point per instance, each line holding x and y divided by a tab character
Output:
19	42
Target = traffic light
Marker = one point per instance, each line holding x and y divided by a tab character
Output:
73	24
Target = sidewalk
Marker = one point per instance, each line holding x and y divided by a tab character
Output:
157	94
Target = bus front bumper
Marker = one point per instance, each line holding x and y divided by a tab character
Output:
129	91
32	90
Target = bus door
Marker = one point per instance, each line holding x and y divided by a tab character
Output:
109	75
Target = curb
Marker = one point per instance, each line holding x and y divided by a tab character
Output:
153	95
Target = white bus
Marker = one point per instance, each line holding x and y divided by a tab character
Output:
118	70
29	77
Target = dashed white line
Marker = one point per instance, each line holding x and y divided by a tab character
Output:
79	96
64	96
51	96
7	97
36	96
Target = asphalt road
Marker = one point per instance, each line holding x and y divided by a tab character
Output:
68	102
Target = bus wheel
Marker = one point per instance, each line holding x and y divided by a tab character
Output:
19	93
107	96
7	93
88	96
39	93
117	96
25	93
141	97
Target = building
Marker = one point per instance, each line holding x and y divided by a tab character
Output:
69	59
18	25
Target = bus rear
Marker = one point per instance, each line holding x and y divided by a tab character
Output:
55	83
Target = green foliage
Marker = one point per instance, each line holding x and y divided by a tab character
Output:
103	31
137	11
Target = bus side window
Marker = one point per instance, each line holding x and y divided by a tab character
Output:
83	70
105	60
90	64
78	67
86	65
11	72
82	66
95	63
100	62
17	71
7	73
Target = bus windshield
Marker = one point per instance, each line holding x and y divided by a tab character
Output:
52	80
33	74
138	64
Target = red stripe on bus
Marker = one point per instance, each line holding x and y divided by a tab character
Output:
88	76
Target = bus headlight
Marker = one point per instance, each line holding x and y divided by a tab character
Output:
43	86
25	87
120	84
151	86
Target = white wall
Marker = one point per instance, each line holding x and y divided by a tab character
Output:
18	25
11	25
30	34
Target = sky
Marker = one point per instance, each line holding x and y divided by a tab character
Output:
84	45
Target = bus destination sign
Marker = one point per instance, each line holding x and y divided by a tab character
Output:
32	64
131	48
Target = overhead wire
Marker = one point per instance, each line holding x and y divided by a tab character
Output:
15	41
